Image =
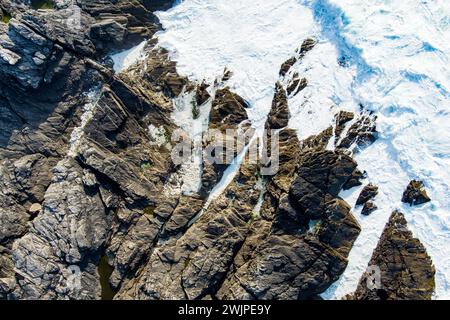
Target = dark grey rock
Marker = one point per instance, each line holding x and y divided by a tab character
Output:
405	270
368	193
279	114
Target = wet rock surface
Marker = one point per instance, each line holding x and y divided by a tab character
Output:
279	115
368	193
361	132
296	85
287	65
400	267
368	208
228	133
307	45
415	194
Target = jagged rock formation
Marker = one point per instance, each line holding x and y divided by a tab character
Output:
355	180
194	265
121	175
291	263
365	198
279	115
306	46
78	173
415	194
230	238
406	270
202	95
228	120
281	257
342	118
361	133
287	65
296	84
368	208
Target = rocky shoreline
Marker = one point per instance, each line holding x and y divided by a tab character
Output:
83	181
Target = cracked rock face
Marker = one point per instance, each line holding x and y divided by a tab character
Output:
194	265
279	114
228	119
404	269
293	262
369	192
87	209
415	194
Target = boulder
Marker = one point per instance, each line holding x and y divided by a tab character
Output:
368	208
361	133
415	194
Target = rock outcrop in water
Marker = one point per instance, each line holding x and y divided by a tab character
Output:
291	261
361	133
415	194
77	156
368	208
279	115
400	268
